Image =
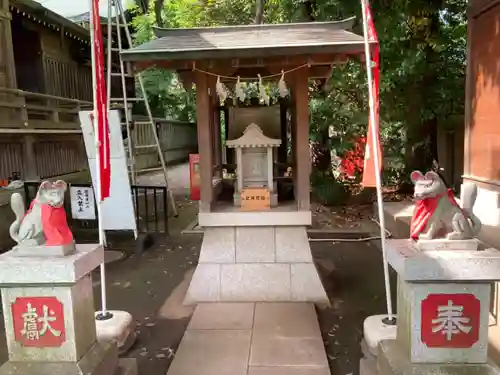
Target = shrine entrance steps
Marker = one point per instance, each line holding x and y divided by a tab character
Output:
256	263
262	338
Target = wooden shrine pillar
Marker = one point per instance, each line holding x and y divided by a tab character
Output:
30	170
7	64
302	157
204	140
283	149
215	128
218	139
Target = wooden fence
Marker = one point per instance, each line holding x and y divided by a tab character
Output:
177	139
67	79
21	109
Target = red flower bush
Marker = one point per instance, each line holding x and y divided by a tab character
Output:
353	160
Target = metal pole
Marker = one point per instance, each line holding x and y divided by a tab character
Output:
97	182
378	180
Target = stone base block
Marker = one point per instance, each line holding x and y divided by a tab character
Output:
70	309
375	330
120	328
391	360
443	322
444	244
101	359
256	264
15	270
256	283
442	265
44	251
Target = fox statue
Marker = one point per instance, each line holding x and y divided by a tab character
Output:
45	223
437	214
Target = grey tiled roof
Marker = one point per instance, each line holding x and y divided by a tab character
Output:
249	41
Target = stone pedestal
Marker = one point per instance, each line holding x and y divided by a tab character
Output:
49	315
248	264
443	310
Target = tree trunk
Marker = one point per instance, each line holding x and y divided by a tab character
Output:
158	10
143	5
309	8
259	12
421	141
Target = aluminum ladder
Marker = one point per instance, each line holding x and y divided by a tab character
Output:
116	18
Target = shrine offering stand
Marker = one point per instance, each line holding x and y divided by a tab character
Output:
443	311
48	310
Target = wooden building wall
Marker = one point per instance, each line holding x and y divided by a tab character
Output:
482	145
55	64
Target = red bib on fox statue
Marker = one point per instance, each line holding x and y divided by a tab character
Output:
423	211
425	206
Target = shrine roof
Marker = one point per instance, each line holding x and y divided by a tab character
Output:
37	12
253	137
243	41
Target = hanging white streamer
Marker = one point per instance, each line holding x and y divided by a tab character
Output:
221	90
238	90
282	85
262	92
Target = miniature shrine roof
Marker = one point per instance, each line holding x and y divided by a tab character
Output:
249	41
253	137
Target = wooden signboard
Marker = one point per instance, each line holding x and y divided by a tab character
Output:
255	199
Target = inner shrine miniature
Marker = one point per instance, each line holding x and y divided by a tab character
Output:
255	154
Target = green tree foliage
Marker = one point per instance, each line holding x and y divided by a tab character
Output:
423	57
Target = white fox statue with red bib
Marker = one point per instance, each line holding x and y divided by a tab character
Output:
437	215
42	230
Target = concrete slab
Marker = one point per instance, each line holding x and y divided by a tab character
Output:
289	370
223	316
286	320
212	352
269	350
265	338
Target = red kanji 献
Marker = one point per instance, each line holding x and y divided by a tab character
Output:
450	320
38	322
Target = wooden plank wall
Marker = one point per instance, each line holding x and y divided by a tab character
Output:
55	155
482	130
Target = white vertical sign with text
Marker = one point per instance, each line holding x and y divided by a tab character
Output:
82	203
118	210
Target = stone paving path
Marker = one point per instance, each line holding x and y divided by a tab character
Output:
252	339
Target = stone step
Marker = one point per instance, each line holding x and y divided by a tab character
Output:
249	264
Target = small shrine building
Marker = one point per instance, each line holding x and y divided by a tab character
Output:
253	210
